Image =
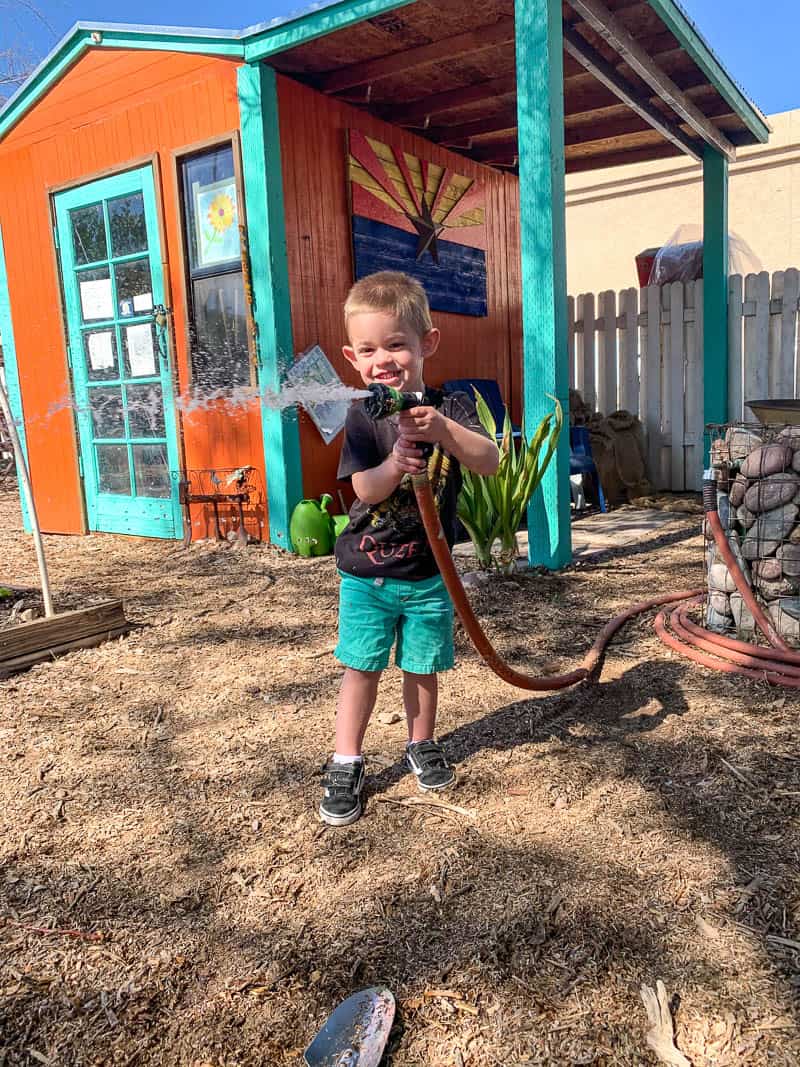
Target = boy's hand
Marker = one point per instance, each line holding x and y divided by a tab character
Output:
407	456
423	424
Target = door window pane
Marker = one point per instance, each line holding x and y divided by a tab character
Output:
100	351
108	416
134	287
140	346
94	289
220	357
113	474
151	470
88	234
145	411
126	222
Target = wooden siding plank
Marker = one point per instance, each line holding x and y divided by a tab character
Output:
758	349
571	340
607	354
586	373
694	438
774	335
676	368
735	361
629	351
785	379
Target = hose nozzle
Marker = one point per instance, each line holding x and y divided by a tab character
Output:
385	401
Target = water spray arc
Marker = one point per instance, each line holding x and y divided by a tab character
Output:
776	664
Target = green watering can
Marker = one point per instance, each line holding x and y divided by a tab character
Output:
311	527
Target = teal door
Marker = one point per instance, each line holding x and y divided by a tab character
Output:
107	235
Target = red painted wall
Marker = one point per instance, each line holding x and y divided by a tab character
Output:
113	108
314	143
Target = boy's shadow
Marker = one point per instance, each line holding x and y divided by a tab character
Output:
653	691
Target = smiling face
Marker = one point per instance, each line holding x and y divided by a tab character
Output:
385	349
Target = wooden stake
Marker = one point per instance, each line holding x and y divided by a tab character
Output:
25	485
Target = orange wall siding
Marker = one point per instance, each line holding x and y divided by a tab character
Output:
314	145
111	109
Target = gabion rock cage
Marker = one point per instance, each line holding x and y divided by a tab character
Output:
758	499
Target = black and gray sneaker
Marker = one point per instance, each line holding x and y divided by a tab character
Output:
427	760
341	803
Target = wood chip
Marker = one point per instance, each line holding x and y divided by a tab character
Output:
661	1035
413	802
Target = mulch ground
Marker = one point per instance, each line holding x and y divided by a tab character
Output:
168	896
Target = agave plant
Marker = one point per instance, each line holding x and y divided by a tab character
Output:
491	507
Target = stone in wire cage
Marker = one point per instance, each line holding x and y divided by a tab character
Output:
758	499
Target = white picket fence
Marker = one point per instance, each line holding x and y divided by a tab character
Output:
642	350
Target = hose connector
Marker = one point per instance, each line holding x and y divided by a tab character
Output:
709	491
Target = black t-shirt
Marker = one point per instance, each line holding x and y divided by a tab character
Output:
388	539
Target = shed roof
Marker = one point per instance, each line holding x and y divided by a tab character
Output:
640	82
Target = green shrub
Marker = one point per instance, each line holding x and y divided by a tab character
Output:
491	507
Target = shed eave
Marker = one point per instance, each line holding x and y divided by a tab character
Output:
315	21
694	43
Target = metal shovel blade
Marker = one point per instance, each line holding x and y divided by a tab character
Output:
355	1033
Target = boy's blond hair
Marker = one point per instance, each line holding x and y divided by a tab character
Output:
395	292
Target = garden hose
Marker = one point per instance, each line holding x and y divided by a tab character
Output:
776	665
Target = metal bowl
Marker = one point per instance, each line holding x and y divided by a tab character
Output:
776	412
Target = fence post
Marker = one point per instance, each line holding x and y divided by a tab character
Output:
715	286
540	119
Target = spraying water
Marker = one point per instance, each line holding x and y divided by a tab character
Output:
147	406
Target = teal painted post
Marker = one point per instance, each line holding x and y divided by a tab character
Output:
540	118
269	274
11	370
715	287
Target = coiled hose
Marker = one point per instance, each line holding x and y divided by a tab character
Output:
777	664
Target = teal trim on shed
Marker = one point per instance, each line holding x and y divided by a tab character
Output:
540	117
269	274
715	287
314	23
11	368
690	38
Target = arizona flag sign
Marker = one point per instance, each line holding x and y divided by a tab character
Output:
420	218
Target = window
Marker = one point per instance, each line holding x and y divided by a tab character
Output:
218	320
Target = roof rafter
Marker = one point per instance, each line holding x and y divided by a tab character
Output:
578	47
418	112
617	36
364	73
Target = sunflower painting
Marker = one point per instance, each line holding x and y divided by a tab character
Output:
421	218
216	222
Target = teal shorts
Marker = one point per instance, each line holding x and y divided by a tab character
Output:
374	613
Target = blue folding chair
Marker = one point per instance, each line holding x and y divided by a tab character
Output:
581	462
490	391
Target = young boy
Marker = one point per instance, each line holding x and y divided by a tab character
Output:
390	586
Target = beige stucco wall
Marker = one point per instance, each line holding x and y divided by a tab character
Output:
614	214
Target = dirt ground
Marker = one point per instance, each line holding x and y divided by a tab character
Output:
167	895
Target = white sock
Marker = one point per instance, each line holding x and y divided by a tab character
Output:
418	741
339	758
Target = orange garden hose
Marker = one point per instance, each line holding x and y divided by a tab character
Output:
777	665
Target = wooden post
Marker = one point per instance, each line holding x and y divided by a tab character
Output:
715	288
269	274
540	119
26	492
